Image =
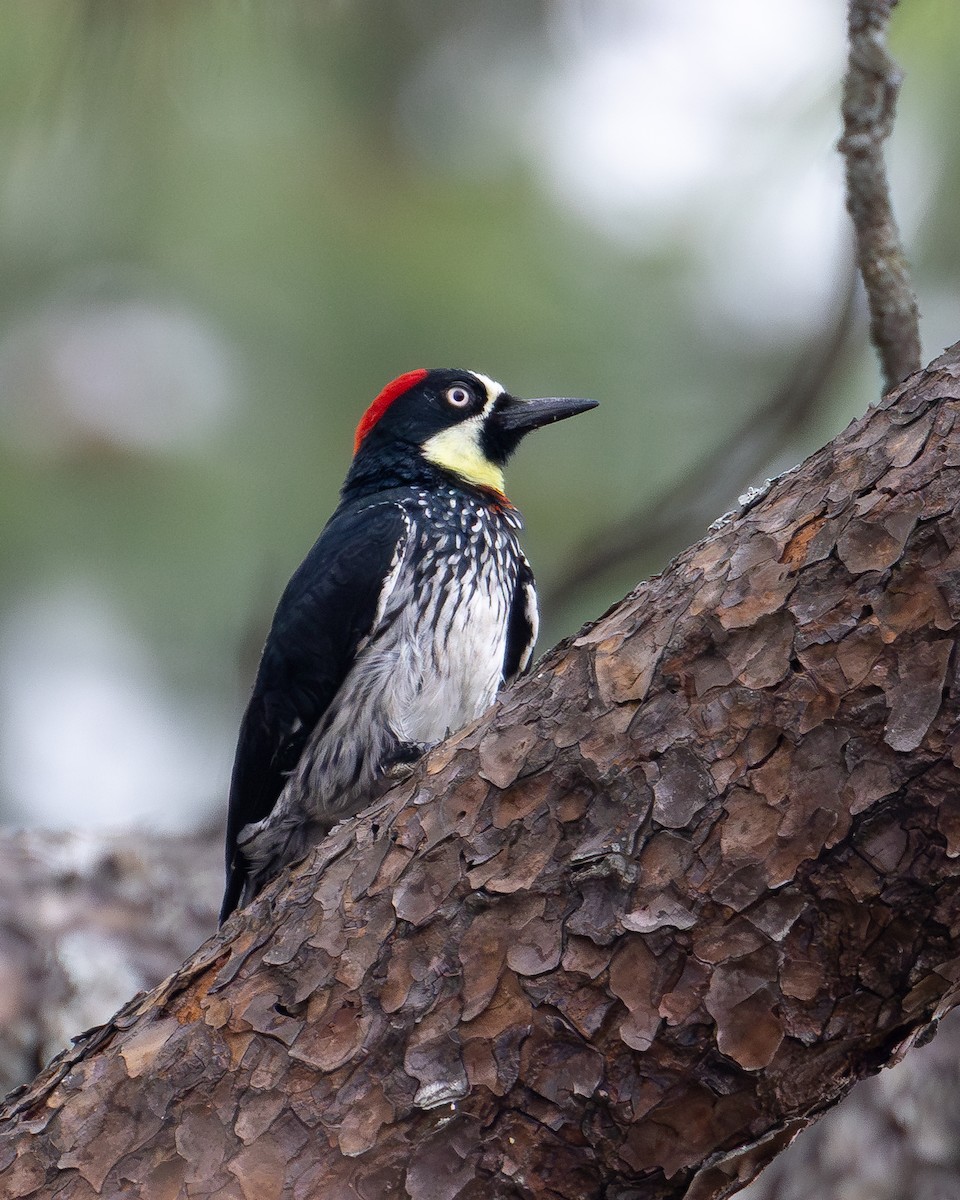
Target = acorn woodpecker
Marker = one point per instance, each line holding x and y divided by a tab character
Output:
413	608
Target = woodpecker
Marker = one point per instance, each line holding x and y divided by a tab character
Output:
413	608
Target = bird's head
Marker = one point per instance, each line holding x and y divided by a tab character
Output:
459	421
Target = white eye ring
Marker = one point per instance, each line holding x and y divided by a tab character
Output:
457	396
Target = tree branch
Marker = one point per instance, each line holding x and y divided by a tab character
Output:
896	1135
623	936
869	108
871	87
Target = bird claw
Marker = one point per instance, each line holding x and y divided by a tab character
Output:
407	757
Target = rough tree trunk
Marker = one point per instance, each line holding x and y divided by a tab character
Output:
624	936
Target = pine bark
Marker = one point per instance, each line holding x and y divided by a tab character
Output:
624	936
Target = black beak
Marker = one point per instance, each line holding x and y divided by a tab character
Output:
517	417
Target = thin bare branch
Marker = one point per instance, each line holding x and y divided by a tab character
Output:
869	107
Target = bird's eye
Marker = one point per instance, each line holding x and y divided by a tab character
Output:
458	396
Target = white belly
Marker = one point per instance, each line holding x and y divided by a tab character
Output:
432	663
450	669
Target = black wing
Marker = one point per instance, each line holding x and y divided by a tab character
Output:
328	606
522	624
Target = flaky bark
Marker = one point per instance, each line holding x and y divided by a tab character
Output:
895	1137
623	936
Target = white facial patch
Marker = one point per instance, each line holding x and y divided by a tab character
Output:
493	389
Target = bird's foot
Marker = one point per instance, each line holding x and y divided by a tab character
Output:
405	758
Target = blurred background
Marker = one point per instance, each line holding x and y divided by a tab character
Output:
224	226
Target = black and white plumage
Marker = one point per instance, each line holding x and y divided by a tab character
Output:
413	608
